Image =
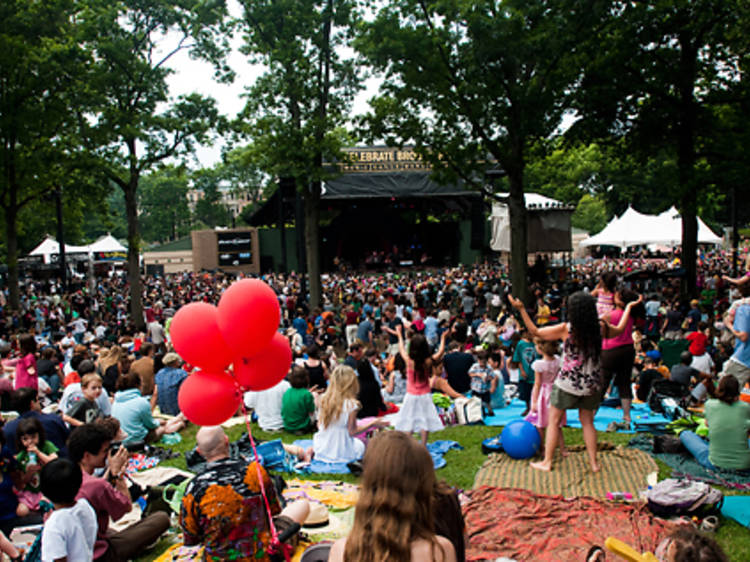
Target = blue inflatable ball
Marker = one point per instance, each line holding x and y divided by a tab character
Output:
520	439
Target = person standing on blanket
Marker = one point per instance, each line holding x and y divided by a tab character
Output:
418	414
618	355
545	373
579	383
524	356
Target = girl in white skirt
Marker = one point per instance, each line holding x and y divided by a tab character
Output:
418	413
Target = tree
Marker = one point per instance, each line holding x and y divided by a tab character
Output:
137	125
590	214
661	64
294	109
471	81
40	62
164	211
209	209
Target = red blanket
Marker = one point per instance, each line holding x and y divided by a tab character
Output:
522	525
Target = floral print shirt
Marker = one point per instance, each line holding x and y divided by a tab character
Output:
224	510
578	376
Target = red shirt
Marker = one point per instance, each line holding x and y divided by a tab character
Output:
106	501
698	341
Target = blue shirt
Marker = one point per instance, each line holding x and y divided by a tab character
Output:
168	381
742	324
431	328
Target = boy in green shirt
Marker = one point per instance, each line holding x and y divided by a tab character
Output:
298	404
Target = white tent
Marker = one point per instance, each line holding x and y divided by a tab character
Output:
50	247
635	229
107	243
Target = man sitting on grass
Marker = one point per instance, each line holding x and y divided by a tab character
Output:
223	508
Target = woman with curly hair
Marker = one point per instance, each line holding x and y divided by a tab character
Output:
579	382
393	519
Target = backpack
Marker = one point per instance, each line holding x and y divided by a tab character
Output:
468	410
666	390
683	497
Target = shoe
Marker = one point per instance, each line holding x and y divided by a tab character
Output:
710	524
612	427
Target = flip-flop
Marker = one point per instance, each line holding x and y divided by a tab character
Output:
595	554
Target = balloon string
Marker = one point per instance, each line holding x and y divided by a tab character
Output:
276	544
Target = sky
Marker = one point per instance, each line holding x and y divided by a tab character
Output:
197	76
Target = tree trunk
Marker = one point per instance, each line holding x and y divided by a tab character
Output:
134	269
518	234
312	242
11	244
686	165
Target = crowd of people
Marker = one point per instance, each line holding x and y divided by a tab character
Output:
379	344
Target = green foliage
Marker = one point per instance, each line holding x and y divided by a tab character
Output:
163	205
590	214
209	209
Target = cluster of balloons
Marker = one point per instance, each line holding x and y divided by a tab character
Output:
242	332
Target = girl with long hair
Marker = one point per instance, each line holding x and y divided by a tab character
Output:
579	382
393	519
418	414
335	441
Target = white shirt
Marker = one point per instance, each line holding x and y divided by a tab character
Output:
703	363
70	532
73	394
156	333
267	405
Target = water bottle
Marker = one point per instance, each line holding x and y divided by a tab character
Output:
619	496
33	458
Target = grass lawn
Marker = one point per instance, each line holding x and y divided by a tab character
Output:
461	469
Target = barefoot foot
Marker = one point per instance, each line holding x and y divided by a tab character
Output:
564	453
541	465
307	457
595	467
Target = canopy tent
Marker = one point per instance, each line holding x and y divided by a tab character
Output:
548	225
636	229
107	248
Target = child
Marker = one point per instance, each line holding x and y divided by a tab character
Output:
86	410
524	356
481	380
70	531
418	412
335	440
26	375
545	371
298	403
35	452
497	386
395	387
605	294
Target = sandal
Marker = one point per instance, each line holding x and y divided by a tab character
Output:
710	524
595	554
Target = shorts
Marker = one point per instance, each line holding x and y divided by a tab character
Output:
565	401
740	372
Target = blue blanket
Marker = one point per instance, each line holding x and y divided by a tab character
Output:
641	415
436	449
738	508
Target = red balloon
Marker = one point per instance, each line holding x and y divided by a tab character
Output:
248	316
196	337
209	398
263	370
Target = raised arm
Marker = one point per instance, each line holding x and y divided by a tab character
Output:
556	332
438	355
614	331
401	347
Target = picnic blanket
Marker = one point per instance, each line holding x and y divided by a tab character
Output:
525	526
685	465
336	495
436	449
737	508
642	416
622	470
